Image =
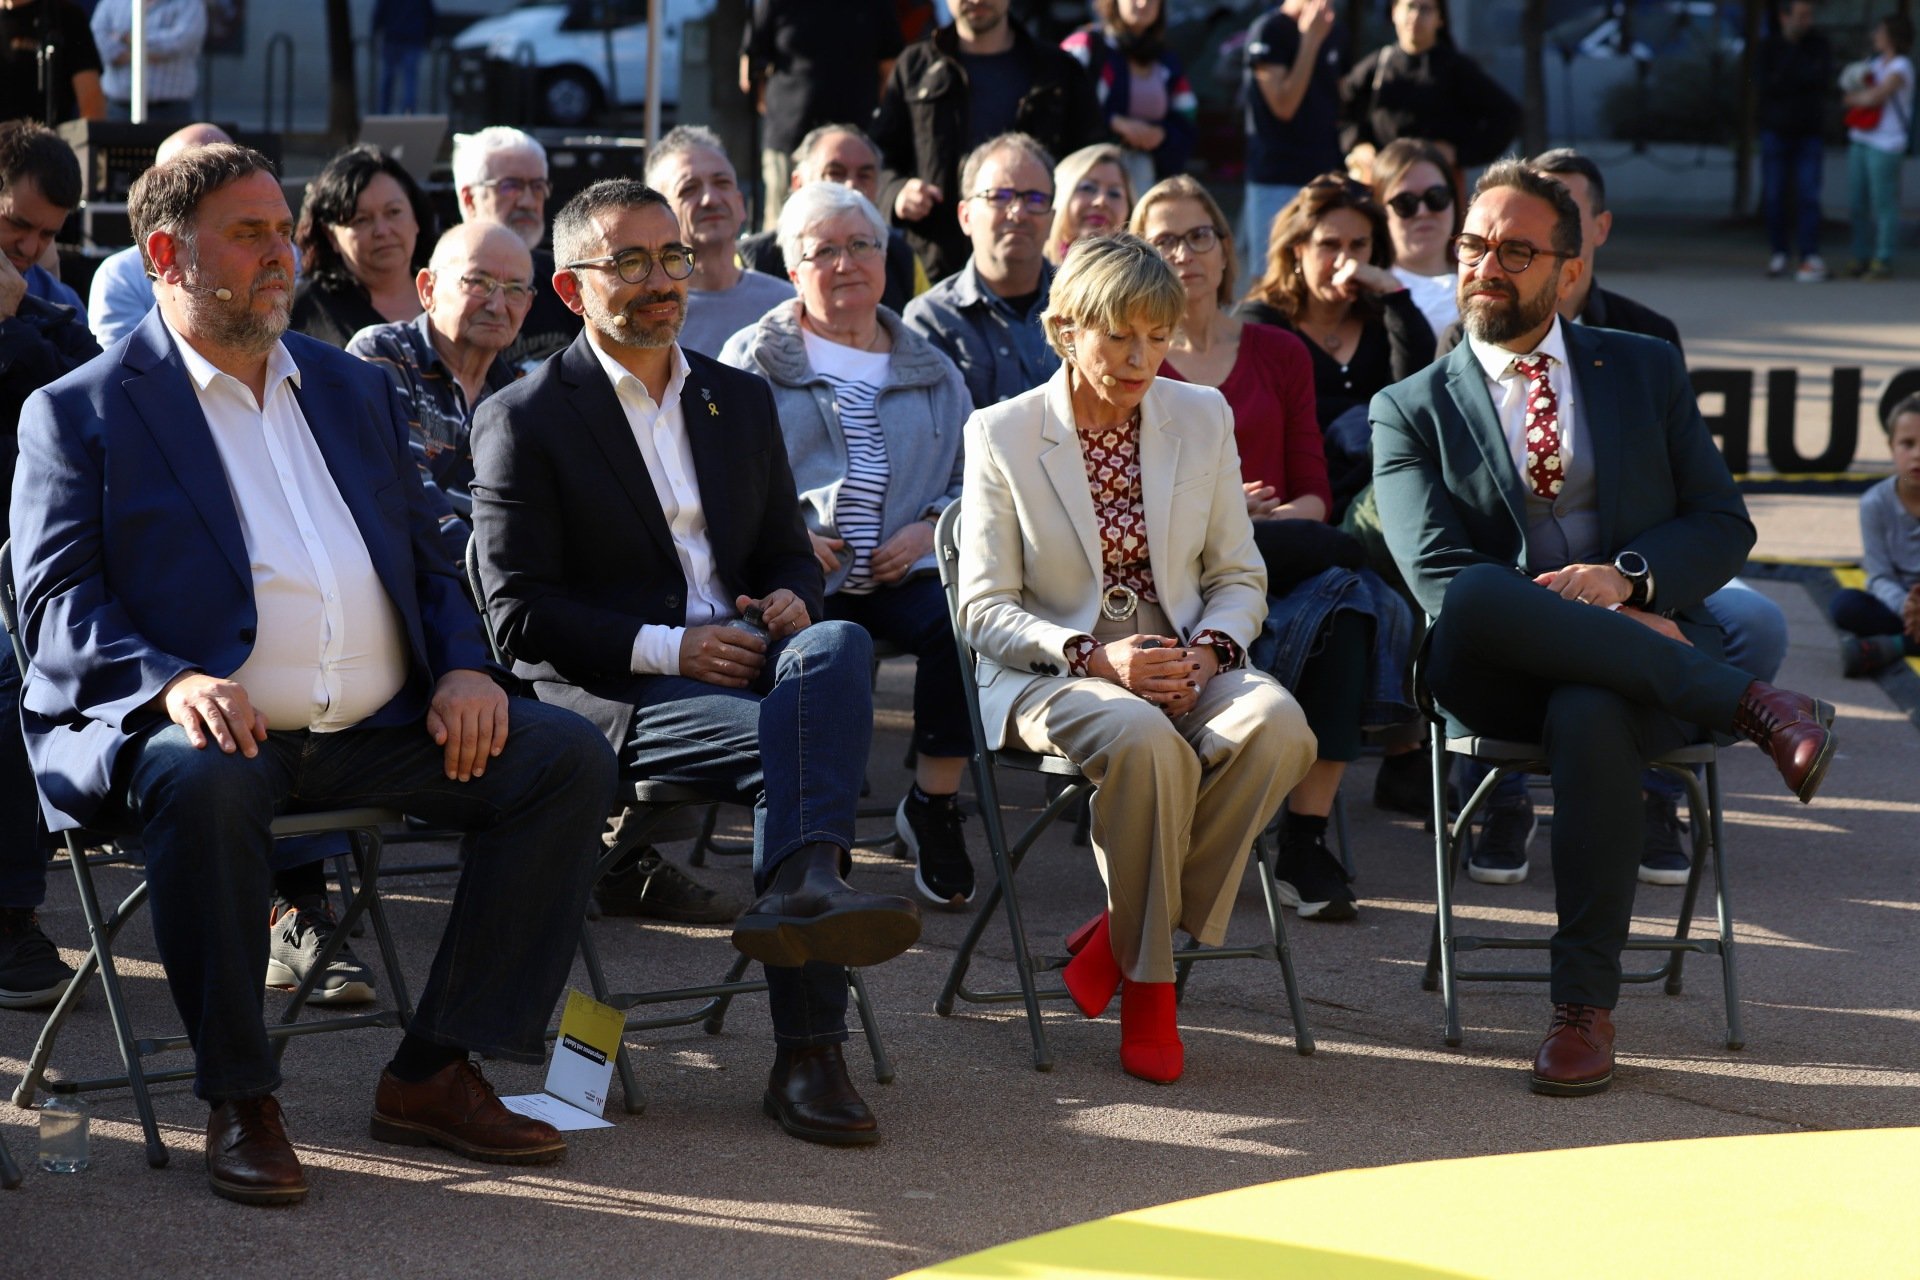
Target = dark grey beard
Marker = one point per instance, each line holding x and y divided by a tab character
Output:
1501	324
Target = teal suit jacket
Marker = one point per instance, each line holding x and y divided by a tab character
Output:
1450	496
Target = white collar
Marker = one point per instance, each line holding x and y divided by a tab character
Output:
280	363
1497	362
618	373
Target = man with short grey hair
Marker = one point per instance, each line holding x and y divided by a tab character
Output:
843	154
986	316
500	175
690	168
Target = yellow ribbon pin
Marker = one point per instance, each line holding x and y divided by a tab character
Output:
713	409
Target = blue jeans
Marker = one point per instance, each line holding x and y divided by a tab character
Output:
533	822
796	745
401	70
1264	201
1873	201
1859	612
23	857
913	616
1790	174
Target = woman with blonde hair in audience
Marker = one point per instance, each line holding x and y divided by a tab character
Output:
1092	196
1110	584
1329	278
872	416
1416	185
1330	625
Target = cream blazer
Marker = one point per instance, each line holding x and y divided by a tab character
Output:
1030	564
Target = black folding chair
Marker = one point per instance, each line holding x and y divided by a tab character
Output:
1070	785
655	804
363	827
1452	842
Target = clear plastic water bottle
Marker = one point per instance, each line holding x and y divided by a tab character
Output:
753	620
63	1131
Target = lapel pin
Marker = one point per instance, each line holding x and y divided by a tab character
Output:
713	410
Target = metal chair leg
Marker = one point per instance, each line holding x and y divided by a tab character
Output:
717	1012
1444	835
1723	907
882	1064
635	1100
9	1171
1283	952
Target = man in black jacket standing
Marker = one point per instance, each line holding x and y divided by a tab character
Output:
1796	87
977	79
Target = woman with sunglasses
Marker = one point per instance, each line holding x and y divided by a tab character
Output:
1414	182
872	415
1323	618
1092	197
1422	86
1329	278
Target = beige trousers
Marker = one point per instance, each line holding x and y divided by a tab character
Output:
1178	802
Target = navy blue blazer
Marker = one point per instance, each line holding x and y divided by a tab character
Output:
131	566
1449	493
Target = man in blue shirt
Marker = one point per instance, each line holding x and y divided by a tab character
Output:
39	187
121	294
986	317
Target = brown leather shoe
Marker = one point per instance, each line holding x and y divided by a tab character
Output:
810	912
457	1109
1576	1058
811	1095
1792	728
249	1159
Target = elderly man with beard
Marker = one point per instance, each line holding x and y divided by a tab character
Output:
235	604
646	564
690	168
1551	495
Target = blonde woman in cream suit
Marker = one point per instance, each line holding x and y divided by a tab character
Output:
1110	584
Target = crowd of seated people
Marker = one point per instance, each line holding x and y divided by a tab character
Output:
701	471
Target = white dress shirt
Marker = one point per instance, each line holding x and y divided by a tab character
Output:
328	649
1508	386
661	432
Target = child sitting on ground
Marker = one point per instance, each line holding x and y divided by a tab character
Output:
1882	623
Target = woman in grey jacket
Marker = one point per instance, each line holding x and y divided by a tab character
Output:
872	416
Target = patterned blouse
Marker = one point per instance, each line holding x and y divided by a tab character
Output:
1112	460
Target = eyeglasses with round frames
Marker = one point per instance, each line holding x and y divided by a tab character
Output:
1006	199
825	256
1514	256
484	287
514	188
1437	198
1198	240
636	264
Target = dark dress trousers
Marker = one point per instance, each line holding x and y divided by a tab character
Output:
1603	692
133	569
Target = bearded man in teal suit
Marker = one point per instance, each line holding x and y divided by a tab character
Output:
1555	502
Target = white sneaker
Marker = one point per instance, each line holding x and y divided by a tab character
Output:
1777	265
1812	270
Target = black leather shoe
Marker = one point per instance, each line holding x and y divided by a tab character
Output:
811	1096
655	889
810	912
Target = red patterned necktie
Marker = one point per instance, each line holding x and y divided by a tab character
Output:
1543	427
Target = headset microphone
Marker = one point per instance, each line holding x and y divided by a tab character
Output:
225	295
1108	380
620	321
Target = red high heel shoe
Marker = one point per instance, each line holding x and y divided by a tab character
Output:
1093	975
1150	1045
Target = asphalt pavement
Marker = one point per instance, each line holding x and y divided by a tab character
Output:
979	1147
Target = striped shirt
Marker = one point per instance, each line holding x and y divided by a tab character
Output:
859	508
